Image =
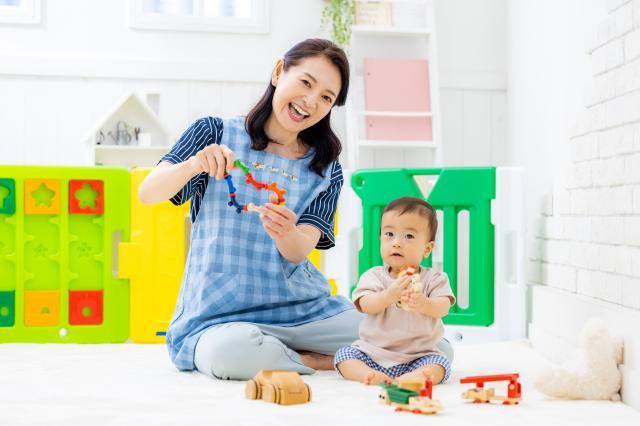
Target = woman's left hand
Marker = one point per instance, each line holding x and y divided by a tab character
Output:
277	220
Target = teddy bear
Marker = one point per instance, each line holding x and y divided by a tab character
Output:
592	373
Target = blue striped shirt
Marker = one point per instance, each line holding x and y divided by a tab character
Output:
207	131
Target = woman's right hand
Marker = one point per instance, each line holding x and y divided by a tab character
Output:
215	160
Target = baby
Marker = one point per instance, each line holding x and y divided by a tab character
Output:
400	341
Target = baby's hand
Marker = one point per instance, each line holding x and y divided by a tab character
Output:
413	301
397	287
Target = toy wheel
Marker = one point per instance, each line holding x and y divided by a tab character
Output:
252	390
308	392
271	394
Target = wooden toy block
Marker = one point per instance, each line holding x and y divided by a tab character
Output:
415	282
86	196
404	396
41	196
279	387
481	395
41	308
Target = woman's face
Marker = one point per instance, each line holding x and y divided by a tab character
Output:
305	92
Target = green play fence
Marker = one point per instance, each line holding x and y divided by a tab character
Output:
455	190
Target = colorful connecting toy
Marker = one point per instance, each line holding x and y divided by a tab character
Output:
273	186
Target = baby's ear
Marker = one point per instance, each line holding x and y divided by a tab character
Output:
428	249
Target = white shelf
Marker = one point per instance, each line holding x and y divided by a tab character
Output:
129	155
410	33
370	143
396	114
390	31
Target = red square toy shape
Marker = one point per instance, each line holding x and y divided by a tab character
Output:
85	307
86	196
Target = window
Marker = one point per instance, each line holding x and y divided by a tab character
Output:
20	11
250	16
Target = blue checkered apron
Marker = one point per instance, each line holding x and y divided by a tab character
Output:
234	271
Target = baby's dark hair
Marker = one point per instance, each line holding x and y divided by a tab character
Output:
418	206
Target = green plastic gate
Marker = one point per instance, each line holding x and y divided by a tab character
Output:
455	190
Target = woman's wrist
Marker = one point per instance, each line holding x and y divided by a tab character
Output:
193	166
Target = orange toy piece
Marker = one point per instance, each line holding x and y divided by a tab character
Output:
480	394
279	387
41	308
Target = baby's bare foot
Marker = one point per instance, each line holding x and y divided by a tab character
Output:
427	374
375	378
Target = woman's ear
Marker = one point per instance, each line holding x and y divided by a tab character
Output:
277	72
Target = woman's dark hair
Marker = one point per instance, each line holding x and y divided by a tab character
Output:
320	136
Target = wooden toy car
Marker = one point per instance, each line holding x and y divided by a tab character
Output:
405	397
480	395
279	387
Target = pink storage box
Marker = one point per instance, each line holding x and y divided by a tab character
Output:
397	85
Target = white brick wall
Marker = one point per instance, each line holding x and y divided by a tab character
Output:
588	237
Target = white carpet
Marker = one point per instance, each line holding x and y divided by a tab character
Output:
137	385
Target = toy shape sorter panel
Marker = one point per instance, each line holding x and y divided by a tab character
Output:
153	261
456	191
58	230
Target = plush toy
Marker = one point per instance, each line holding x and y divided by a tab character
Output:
593	373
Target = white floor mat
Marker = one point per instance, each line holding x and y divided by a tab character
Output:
132	384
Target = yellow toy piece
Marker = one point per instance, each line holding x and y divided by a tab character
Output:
279	387
155	272
479	395
315	257
41	196
482	395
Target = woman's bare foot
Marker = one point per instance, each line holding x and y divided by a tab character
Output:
375	378
316	361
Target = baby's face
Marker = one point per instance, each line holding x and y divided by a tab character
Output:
404	239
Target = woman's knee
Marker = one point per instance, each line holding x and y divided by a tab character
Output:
222	351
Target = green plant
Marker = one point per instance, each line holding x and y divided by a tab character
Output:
340	13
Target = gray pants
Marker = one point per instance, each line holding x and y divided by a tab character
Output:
238	350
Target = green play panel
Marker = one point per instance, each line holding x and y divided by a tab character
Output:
456	190
59	232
